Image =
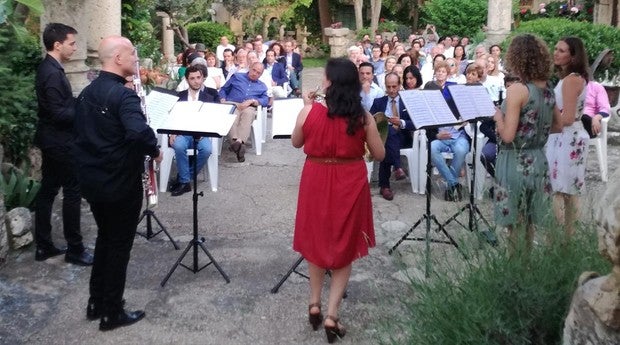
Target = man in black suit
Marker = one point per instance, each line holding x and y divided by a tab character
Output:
294	66
399	131
54	137
195	76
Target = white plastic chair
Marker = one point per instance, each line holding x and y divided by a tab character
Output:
166	164
257	130
601	148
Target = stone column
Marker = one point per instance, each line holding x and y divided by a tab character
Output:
168	37
338	41
75	14
499	20
104	19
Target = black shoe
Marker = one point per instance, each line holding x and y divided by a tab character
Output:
173	185
42	254
181	189
93	309
454	193
82	259
241	153
120	319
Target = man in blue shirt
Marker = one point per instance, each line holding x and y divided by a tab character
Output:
247	92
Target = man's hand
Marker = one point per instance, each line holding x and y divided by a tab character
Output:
160	157
443	135
248	103
366	86
171	139
596	124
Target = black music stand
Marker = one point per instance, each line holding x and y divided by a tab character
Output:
149	214
429	217
195	125
474	104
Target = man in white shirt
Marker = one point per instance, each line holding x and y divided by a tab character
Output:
370	90
224	44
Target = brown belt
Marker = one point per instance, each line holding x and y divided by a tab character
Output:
333	160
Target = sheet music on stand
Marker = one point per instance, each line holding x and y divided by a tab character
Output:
209	120
472	101
158	105
427	108
284	116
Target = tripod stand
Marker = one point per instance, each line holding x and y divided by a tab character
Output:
474	212
428	217
149	215
292	270
196	241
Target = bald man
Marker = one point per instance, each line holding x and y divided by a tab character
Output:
112	140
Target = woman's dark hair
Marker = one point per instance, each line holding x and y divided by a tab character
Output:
400	58
463	57
416	74
579	60
343	95
493	46
437	57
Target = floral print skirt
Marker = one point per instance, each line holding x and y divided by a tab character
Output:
567	153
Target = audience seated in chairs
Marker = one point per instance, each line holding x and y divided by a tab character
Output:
452	139
181	143
247	92
399	131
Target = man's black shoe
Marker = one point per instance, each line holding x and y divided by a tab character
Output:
82	259
182	188
42	254
120	319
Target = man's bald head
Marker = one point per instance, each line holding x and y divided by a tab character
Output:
117	55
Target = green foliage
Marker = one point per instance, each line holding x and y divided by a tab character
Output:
387	25
18	106
19	189
595	37
560	9
463	18
136	19
494	298
208	33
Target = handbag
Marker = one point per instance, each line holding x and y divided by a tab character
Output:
586	120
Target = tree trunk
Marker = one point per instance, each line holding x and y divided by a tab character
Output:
359	20
375	14
324	16
614	13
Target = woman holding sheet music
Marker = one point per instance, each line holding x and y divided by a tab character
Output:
334	225
523	190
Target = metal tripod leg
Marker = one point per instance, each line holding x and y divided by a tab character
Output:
148	214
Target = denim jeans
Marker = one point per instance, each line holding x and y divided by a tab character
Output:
459	148
181	144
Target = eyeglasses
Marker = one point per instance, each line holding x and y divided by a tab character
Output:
451	65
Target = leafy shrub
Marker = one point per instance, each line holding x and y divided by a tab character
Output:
403	32
496	299
463	18
208	33
19	189
136	25
18	105
596	37
387	25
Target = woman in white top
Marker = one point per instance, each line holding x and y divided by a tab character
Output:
390	62
454	74
215	77
494	81
567	151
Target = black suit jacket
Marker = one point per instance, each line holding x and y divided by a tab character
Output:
207	94
406	139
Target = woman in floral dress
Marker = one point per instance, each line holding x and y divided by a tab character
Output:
523	192
567	151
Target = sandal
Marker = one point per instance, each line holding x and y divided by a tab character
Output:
334	331
315	319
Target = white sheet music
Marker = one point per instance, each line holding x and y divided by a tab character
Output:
427	108
216	108
199	122
472	101
284	116
158	105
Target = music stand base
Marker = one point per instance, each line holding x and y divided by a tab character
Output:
148	214
195	243
292	270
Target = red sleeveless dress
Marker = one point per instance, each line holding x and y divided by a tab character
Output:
334	225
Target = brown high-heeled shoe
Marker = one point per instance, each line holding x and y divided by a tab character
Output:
315	319
333	332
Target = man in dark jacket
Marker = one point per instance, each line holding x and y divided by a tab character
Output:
54	137
112	140
195	77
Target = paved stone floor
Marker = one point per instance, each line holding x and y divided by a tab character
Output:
248	226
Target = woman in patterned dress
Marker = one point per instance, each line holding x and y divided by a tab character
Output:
567	151
523	193
334	224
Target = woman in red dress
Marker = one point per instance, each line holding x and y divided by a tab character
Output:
334	225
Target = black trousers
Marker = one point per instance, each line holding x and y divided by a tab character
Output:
116	222
58	171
